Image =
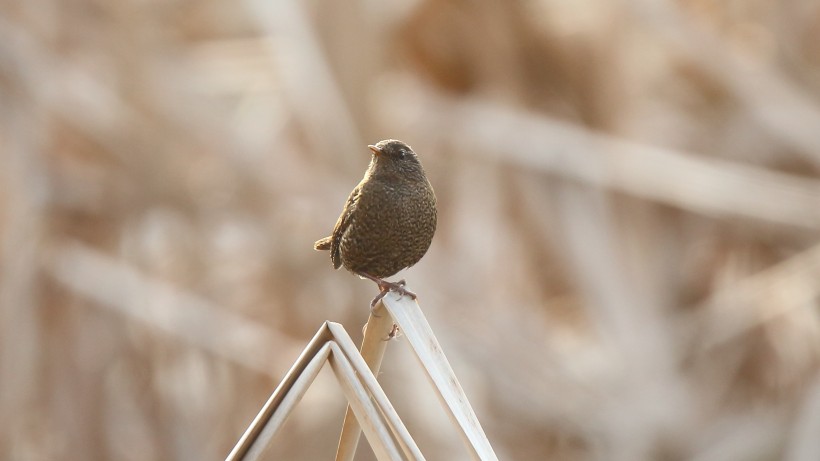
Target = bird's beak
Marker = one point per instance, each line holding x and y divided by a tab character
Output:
375	150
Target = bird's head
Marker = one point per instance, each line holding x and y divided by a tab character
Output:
393	157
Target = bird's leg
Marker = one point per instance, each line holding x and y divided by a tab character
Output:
386	287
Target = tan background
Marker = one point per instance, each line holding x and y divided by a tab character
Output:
625	267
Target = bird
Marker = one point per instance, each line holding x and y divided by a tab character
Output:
388	221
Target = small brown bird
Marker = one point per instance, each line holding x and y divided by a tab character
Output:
388	221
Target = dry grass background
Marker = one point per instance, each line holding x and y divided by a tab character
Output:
626	266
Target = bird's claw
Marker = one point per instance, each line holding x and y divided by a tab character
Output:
376	301
386	287
397	287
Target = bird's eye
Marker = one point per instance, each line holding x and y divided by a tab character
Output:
402	154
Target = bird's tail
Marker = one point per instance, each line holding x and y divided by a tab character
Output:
322	244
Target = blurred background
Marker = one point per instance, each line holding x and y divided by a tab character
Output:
627	260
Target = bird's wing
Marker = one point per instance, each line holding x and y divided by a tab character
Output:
341	226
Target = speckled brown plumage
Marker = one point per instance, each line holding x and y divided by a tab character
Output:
389	219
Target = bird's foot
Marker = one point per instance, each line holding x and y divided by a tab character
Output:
386	287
